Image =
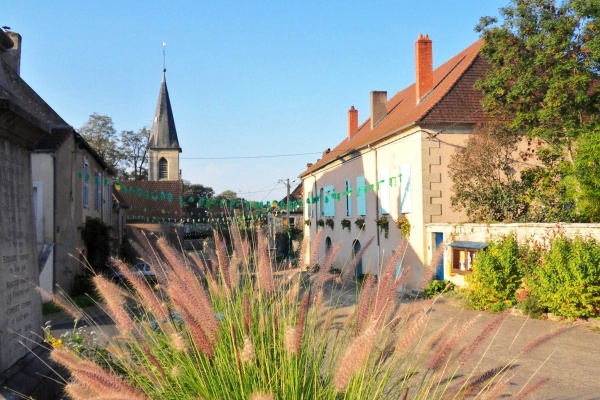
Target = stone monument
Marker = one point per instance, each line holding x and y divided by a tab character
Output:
20	128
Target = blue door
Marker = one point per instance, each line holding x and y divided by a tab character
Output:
439	269
355	251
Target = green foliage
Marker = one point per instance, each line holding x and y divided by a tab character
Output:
346	224
529	304
496	276
437	286
384	225
403	224
97	237
360	223
329	222
567	282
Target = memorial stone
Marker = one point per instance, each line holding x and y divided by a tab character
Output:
20	303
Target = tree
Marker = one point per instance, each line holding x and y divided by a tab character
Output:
101	135
192	193
543	79
485	176
134	150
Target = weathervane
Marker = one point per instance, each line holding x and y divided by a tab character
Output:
164	66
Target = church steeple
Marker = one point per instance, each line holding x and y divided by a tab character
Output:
163	145
163	134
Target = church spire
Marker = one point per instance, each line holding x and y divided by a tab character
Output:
163	134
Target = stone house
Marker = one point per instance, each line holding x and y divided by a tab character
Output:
393	166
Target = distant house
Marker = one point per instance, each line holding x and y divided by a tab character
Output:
393	166
71	182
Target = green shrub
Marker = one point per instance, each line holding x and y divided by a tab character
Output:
438	286
567	281
496	276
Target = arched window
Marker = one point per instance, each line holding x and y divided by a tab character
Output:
327	245
163	168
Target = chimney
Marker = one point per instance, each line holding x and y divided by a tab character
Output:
352	121
378	108
424	66
11	55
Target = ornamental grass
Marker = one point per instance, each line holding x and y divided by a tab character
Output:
227	324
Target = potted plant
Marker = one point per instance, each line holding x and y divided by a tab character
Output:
404	226
360	223
307	222
329	222
384	225
346	224
320	222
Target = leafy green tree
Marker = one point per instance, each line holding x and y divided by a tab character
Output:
485	176
133	147
100	133
544	63
193	192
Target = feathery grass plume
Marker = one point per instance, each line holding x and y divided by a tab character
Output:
223	259
202	341
386	287
365	303
532	345
265	272
248	354
148	297
240	246
430	270
175	372
491	326
495	391
290	339
170	255
115	304
323	276
178	341
437	338
312	261
302	312
76	390
261	396
524	394
441	355
355	358
148	251
475	384
93	377
61	300
410	332
247	313
348	272
195	304
304	258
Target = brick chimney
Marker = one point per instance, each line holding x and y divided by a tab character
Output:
424	65
352	121
378	108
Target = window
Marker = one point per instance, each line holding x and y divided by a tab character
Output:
361	196
163	169
329	201
98	182
348	195
464	254
405	192
86	184
384	191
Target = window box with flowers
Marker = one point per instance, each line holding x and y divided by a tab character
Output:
360	223
329	223
384	225
346	224
320	222
404	225
307	222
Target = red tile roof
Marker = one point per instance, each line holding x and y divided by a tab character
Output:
451	100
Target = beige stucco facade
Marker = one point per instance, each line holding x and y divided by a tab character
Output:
408	172
71	185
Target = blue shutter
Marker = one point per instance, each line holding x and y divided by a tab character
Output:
384	191
361	196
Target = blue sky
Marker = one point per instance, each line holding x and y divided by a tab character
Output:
246	79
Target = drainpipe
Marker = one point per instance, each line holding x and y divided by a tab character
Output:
377	212
54	252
